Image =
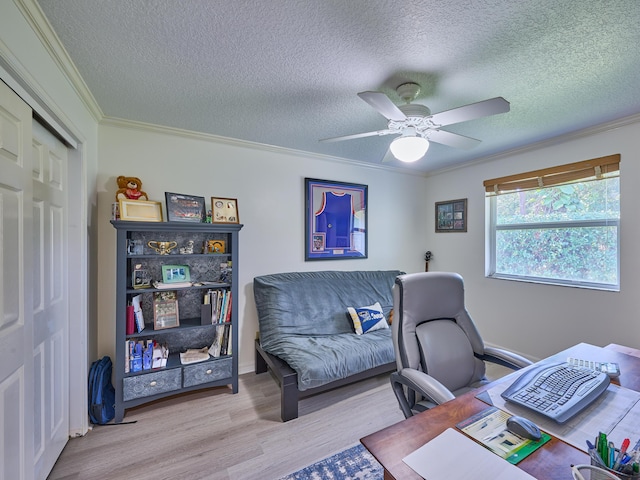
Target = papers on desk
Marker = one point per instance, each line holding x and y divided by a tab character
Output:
489	428
616	412
453	455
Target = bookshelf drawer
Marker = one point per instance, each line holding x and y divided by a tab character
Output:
151	384
206	372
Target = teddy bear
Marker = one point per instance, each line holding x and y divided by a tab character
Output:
129	187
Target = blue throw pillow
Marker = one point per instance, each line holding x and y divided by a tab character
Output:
367	319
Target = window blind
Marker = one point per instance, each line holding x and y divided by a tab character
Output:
595	168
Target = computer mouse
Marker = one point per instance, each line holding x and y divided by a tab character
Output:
523	427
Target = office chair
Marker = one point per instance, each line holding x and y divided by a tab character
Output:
439	352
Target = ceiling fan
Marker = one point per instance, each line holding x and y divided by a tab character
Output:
417	126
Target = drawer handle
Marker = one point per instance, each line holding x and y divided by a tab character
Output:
208	372
153	384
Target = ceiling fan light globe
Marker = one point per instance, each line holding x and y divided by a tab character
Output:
409	149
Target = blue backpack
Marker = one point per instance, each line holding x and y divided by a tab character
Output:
102	395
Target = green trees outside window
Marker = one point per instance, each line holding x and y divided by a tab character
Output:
563	234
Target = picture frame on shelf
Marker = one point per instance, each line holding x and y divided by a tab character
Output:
135	247
140	211
185	208
224	210
216	246
140	278
345	235
451	216
175	274
165	310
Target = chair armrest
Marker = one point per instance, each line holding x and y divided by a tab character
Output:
405	396
505	358
425	385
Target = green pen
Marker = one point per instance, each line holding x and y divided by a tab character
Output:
602	448
636	468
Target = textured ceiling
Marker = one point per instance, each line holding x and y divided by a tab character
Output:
286	72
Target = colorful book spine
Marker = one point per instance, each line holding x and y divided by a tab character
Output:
130	320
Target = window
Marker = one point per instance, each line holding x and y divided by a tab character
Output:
558	225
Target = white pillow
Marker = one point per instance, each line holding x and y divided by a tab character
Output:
367	319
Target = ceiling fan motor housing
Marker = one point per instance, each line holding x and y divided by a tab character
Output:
416	122
415	110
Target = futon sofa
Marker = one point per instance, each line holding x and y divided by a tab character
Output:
307	339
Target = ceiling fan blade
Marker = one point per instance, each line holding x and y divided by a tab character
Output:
356	135
452	139
493	106
383	105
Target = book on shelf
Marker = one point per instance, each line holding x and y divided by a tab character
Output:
219	304
137	312
217	297
224	344
220	301
127	358
228	312
131	320
226	316
221	340
489	428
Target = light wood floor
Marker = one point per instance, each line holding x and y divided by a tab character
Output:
215	435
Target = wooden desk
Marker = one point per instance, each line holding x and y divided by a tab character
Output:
551	462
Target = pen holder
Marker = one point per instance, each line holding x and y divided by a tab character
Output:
595	475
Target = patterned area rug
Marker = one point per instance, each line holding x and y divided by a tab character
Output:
355	463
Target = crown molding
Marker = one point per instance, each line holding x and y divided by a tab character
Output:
566	137
218	139
131	124
51	42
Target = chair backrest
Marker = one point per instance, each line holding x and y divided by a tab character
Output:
432	330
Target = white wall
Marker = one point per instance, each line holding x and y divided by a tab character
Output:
539	320
536	320
269	186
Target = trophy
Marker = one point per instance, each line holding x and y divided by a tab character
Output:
163	248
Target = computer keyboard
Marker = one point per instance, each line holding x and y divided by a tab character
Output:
557	391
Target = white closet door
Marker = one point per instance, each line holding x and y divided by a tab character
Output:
34	397
16	281
50	300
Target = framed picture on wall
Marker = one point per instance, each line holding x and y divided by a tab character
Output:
335	220
451	216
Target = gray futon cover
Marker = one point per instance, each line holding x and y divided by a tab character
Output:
303	320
